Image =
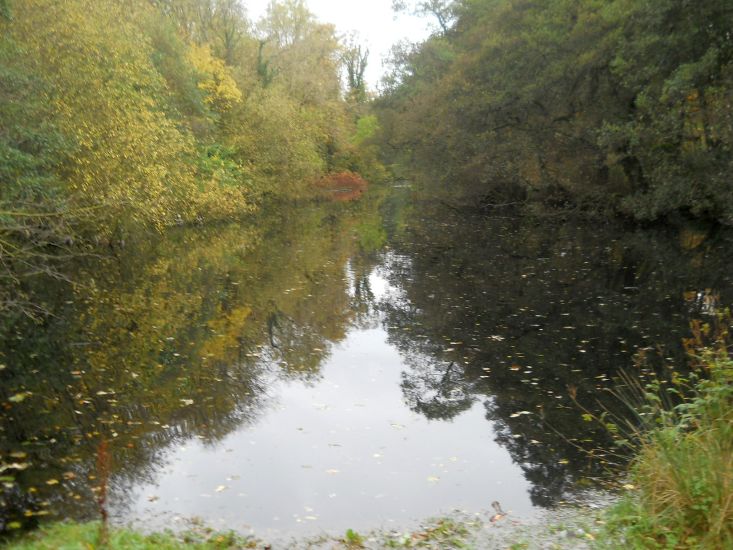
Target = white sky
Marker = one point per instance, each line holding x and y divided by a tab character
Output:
373	20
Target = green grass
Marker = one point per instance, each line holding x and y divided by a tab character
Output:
85	536
683	473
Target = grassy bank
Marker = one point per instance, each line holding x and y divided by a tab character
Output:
85	536
680	493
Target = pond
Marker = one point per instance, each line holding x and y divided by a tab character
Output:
340	365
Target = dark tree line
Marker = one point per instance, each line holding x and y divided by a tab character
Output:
617	105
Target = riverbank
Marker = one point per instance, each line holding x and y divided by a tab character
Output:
680	493
571	527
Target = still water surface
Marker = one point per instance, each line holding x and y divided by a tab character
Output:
340	366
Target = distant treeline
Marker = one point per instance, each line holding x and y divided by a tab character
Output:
122	115
621	105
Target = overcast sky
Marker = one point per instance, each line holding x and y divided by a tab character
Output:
373	20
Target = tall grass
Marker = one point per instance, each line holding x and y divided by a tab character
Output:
681	490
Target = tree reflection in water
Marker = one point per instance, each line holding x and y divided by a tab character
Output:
181	337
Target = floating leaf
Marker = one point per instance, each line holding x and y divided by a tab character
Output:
14	466
433	479
19	397
221	488
52	482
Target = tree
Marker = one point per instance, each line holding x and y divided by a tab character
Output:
617	106
355	63
302	53
441	10
222	24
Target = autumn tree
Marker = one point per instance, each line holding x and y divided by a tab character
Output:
303	53
354	59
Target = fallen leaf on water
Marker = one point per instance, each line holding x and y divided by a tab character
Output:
52	482
153	498
433	479
18	397
14	466
332	471
221	488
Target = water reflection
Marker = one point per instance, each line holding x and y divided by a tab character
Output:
334	366
342	451
516	316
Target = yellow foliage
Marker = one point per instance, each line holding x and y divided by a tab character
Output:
217	83
109	101
223	344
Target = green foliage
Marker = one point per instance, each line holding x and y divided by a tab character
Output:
275	142
353	539
619	105
366	128
683	474
73	536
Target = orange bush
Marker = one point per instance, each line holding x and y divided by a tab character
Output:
342	186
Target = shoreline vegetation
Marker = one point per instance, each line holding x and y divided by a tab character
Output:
122	118
616	107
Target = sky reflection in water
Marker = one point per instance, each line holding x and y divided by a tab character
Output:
343	452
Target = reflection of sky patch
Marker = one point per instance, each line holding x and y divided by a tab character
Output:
379	285
345	450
